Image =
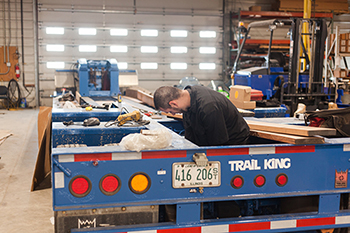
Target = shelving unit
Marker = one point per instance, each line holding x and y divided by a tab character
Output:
236	17
333	61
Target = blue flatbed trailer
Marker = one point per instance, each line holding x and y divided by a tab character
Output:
277	187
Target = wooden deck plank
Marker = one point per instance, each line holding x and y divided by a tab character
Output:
287	138
291	129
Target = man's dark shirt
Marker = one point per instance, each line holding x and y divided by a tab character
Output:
212	119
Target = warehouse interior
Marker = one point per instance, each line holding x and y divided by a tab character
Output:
51	48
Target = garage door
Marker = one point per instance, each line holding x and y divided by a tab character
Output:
163	40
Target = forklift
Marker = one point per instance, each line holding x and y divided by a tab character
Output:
299	82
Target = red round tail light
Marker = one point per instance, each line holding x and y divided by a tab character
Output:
80	186
110	184
281	179
237	182
259	180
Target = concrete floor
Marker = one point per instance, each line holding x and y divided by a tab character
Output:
20	209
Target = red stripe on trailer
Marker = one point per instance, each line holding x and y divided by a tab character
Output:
181	230
294	149
92	157
228	151
315	222
255	226
164	154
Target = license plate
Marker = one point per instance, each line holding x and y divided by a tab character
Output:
189	175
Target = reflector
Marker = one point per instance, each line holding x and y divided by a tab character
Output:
237	182
80	186
281	179
139	183
259	180
110	184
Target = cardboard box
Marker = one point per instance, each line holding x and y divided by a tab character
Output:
240	97
342	49
337	72
343	36
348	49
245	104
340	73
42	170
342	42
255	8
240	93
343	73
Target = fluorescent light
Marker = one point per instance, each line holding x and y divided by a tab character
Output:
122	65
178	49
207	34
178	33
178	66
149	49
87	31
118	32
207	50
207	66
55	47
55	30
149	32
149	66
118	49
87	48
55	64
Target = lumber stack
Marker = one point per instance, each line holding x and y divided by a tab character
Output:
292	134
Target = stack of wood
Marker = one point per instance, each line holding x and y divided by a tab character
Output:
292	134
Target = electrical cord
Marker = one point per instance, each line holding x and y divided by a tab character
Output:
14	93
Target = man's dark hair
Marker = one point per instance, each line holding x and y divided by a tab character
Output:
163	95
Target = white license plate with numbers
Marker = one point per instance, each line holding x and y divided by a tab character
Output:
189	175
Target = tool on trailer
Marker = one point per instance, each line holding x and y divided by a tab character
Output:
67	97
105	106
131	119
92	121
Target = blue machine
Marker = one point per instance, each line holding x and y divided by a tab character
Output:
258	78
98	77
